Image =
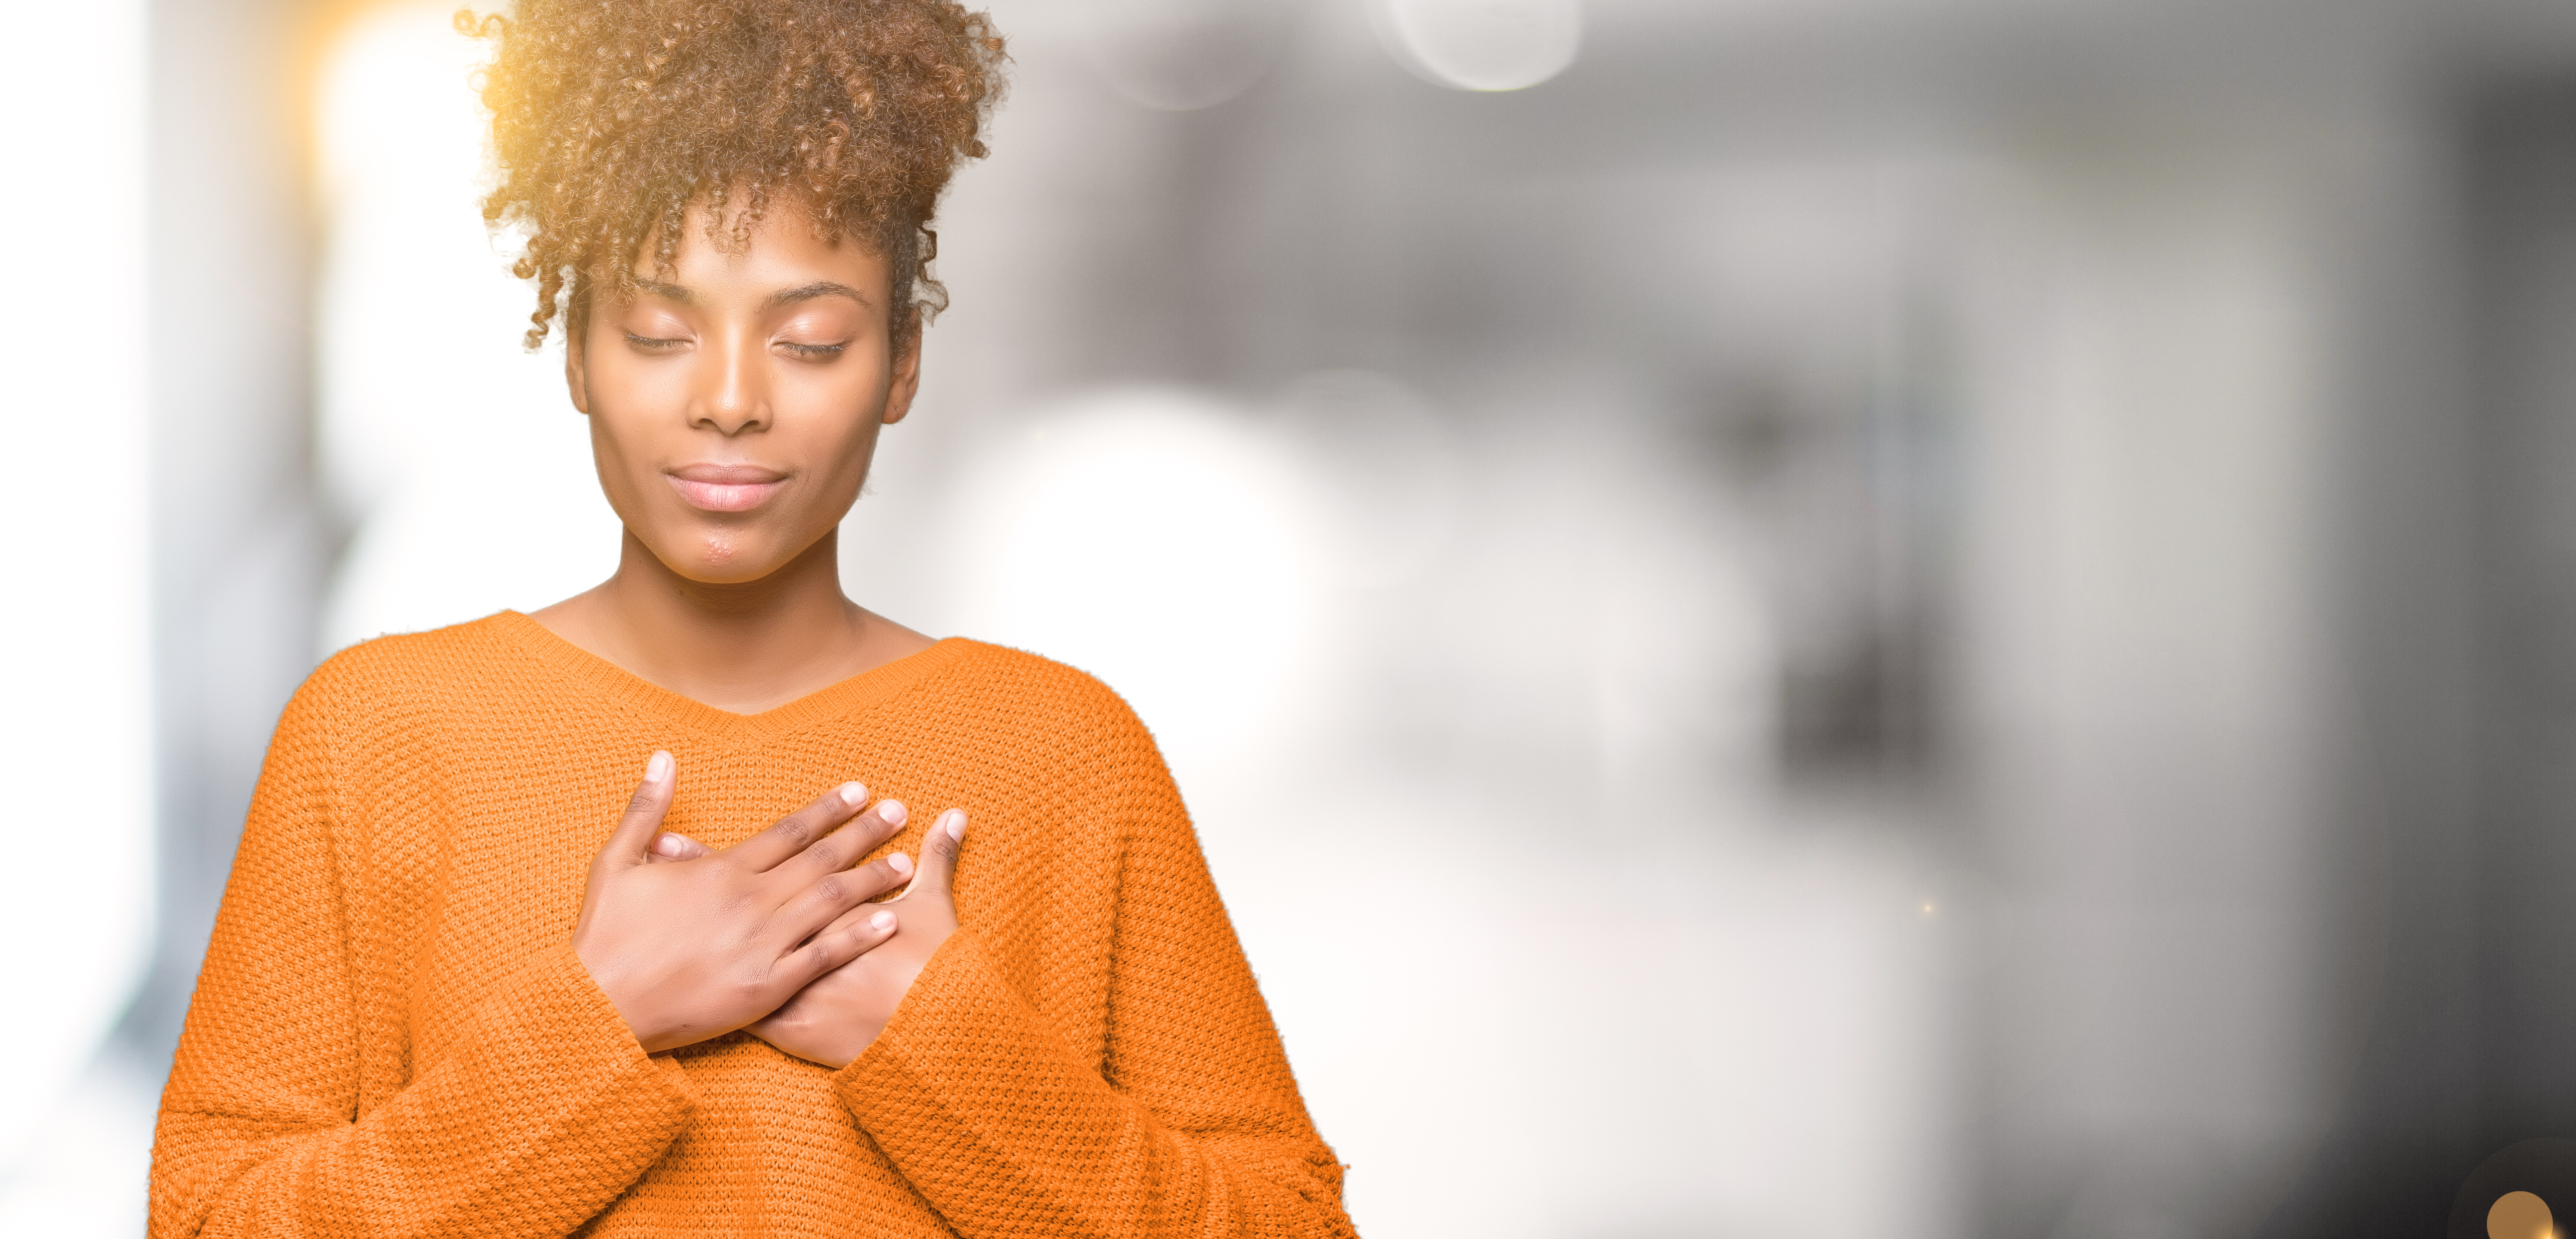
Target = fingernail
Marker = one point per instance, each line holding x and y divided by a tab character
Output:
893	812
667	845
883	921
899	862
957	823
854	794
657	769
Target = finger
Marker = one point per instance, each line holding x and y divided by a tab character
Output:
668	846
834	947
836	894
883	875
898	865
799	830
939	847
843	848
644	811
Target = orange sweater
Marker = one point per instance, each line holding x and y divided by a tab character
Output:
392	1035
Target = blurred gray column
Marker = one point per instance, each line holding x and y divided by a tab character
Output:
2154	678
238	543
2459	551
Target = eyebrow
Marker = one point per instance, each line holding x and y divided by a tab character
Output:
820	288
784	296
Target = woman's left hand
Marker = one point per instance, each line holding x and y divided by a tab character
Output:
839	1014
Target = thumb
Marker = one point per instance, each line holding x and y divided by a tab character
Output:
629	844
937	876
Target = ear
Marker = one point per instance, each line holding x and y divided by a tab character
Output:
576	376
907	375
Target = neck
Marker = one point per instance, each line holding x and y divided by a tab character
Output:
743	646
669	612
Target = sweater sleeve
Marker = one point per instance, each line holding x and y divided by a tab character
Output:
1190	1125
544	1114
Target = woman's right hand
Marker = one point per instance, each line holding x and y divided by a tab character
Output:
696	948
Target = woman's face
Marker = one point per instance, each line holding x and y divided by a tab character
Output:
734	403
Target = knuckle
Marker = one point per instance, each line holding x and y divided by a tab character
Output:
832	889
794	830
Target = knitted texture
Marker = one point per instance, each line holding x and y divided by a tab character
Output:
392	1035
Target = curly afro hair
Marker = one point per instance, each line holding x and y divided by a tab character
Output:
611	118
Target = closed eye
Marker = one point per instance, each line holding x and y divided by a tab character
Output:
654	343
814	350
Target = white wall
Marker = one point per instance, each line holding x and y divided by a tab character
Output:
75	736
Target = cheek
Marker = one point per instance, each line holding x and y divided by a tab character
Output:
616	444
834	425
627	451
634	388
631	409
611	460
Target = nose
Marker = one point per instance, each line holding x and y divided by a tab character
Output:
733	387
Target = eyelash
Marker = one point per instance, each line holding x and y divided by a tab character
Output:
658	344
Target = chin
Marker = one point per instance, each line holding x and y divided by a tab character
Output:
729	572
723	559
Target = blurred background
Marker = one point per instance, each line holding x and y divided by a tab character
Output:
1843	617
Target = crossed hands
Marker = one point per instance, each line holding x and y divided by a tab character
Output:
774	934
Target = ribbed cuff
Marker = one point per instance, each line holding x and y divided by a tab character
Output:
570	1040
957	987
999	1121
966	1073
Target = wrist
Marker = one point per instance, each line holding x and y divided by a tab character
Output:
906	978
832	1041
616	984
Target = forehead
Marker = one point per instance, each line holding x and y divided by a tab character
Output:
780	249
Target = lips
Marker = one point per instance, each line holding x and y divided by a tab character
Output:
725	488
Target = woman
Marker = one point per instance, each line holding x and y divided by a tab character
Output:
454	990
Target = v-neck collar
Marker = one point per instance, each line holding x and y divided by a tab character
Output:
650	700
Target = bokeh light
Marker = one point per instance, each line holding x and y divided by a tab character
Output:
457	457
1182	55
1148	537
1482	44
